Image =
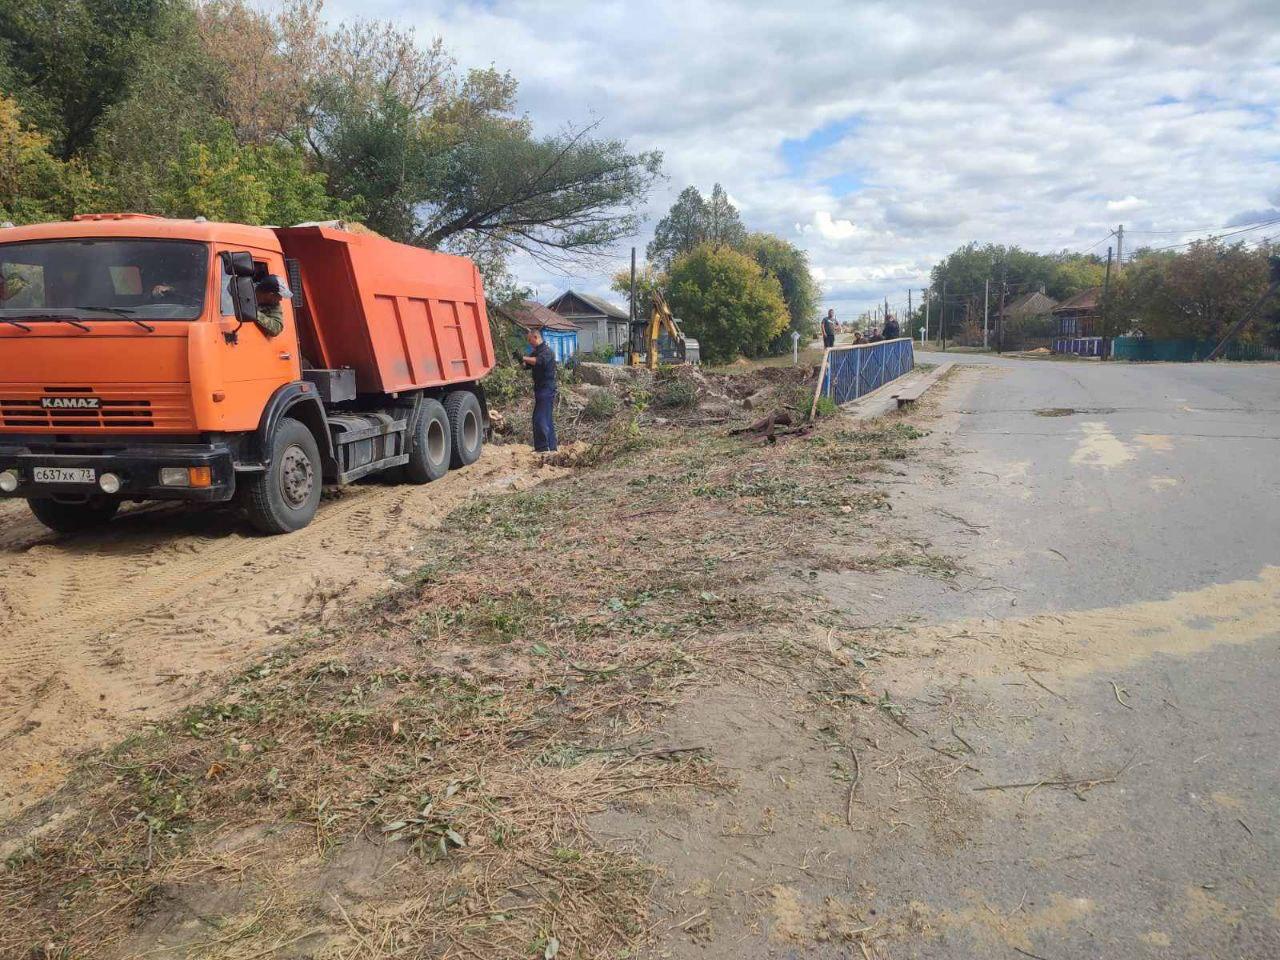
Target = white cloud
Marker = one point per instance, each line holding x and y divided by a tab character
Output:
1018	121
1127	205
830	228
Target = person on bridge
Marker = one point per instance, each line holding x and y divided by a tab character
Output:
891	330
541	361
829	329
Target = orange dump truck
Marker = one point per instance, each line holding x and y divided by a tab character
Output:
137	364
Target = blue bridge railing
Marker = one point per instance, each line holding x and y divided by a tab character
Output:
854	371
1082	346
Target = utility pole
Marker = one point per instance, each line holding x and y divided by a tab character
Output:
924	292
908	311
986	310
1106	288
1004	288
1119	246
632	318
942	317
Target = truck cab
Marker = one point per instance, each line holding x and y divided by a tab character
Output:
132	367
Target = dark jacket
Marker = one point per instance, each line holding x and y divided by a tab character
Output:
544	370
891	331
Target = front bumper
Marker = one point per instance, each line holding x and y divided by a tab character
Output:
138	468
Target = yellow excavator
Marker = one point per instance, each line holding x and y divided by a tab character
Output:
647	344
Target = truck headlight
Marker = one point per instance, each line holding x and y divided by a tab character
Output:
186	476
109	483
174	477
9	481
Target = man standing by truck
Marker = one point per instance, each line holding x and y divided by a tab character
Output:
541	361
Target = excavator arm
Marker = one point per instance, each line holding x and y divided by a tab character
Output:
660	320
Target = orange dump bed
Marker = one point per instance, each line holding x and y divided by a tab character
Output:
401	317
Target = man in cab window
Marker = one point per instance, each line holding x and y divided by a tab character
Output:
271	290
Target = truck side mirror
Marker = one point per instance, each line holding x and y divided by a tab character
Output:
244	298
238	263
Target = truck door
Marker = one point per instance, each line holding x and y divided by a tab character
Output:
254	365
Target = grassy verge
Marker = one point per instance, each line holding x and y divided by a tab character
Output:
417	781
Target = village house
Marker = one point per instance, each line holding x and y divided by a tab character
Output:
1079	316
559	333
1029	307
599	323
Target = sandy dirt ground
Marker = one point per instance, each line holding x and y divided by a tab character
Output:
107	630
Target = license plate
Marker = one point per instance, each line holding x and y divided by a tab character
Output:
64	475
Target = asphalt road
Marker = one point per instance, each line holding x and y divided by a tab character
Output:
1122	533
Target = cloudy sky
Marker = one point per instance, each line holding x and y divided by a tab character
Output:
881	136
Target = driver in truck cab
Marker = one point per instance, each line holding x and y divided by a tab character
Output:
271	290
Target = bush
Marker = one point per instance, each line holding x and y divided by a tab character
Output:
601	406
624	436
674	392
601	354
506	383
826	408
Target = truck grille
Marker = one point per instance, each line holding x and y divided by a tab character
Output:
117	407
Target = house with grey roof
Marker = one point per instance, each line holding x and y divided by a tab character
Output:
1029	306
600	323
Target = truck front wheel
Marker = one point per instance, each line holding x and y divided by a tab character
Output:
73	517
284	497
431	446
466	422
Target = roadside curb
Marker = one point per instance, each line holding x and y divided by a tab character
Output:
914	392
881	401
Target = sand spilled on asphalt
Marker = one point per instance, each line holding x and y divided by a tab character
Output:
1082	642
103	631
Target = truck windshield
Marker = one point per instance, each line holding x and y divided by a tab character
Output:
101	279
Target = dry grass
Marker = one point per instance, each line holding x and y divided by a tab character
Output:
419	782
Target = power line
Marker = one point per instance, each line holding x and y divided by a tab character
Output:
1219	236
1186	230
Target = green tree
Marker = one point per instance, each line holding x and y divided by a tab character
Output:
556	198
694	220
1196	293
724	226
967	269
176	99
69	61
34	185
728	302
455	170
648	280
1075	273
221	179
681	230
790	265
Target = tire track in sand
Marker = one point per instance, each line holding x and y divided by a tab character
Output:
103	629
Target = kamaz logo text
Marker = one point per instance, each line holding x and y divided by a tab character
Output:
70	403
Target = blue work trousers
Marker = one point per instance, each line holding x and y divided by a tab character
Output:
544	427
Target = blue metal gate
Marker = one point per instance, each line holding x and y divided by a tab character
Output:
854	371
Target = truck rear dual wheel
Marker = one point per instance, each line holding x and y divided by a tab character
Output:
284	497
466	422
73	517
431	446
